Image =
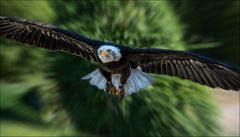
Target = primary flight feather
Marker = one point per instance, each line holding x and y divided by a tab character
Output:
122	70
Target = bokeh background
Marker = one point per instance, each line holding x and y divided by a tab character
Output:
42	94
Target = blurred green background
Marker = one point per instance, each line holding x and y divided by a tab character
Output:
42	94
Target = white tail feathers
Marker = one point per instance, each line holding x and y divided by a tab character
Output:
136	81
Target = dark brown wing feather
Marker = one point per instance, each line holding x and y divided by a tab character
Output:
186	65
48	36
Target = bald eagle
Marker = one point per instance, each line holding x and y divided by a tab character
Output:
122	70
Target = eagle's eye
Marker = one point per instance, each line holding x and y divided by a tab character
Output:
108	50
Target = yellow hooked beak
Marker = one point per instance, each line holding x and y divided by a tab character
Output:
104	54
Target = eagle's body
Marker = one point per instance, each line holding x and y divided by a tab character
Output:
122	70
115	67
118	76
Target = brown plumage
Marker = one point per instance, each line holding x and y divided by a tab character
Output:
47	36
186	65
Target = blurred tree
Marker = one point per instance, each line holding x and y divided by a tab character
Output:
170	107
126	23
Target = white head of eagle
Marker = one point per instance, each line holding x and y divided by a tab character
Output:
109	53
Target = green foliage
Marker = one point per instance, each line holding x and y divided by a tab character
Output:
169	107
124	22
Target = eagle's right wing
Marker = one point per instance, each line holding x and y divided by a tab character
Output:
48	36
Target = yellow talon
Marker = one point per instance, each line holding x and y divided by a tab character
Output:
112	90
121	92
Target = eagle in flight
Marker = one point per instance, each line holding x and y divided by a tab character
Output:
122	70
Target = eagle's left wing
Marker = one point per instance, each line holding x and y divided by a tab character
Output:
186	65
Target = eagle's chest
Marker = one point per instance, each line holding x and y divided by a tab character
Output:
115	67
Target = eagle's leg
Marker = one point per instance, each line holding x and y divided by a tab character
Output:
110	88
123	81
121	91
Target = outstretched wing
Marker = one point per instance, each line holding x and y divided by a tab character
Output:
186	65
48	36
